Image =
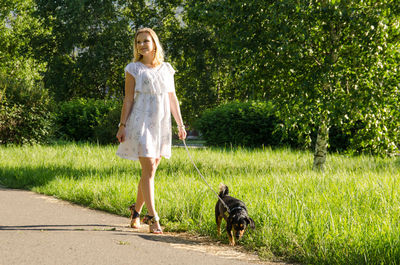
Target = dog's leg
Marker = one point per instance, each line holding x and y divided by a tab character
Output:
219	220
231	237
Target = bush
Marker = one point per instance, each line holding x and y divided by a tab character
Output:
240	124
25	112
88	120
106	131
255	124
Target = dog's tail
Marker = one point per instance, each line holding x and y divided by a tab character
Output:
223	190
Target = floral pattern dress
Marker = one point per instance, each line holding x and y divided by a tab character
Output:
148	128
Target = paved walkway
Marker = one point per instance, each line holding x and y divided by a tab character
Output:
37	229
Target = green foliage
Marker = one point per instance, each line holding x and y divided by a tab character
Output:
92	42
331	68
193	55
256	123
25	106
88	120
336	60
311	59
89	45
25	113
105	132
18	27
240	124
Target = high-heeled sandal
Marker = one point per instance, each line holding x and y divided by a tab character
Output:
151	221
135	217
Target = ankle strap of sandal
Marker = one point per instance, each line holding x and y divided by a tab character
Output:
134	213
148	219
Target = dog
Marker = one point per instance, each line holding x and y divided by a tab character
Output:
237	220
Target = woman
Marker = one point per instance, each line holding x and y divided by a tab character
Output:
145	126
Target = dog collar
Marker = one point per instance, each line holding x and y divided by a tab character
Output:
236	208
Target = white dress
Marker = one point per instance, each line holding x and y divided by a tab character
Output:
148	128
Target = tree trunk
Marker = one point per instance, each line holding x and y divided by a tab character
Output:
321	146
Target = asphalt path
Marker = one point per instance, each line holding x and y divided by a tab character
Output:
38	229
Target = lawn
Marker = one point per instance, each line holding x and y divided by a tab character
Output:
347	215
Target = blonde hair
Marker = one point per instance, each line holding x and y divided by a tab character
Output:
159	53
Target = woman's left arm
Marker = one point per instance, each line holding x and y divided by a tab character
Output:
176	112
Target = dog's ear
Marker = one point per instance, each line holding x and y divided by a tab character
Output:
250	222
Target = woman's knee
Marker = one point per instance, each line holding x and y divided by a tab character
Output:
149	166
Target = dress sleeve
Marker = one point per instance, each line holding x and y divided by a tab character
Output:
170	69
132	69
170	83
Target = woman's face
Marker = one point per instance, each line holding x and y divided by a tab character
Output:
145	44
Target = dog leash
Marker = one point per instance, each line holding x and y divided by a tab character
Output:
194	164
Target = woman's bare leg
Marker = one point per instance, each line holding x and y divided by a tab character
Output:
146	185
140	199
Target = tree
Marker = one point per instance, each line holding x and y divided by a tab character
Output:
87	48
209	67
17	27
24	103
323	63
238	46
337	62
197	85
91	42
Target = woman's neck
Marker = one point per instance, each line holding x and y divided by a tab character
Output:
147	60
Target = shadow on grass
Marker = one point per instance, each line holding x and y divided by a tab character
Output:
27	177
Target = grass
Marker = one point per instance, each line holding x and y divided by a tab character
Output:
347	215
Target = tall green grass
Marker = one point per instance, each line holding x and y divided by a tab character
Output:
347	215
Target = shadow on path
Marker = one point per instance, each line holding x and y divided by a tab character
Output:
58	227
117	230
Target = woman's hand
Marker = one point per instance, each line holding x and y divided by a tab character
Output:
121	134
182	133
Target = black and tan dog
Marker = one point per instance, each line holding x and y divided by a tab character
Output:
237	219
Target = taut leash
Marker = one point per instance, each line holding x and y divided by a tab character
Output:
194	164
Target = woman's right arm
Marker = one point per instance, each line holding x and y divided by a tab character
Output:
127	105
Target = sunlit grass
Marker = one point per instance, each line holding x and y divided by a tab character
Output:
347	215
